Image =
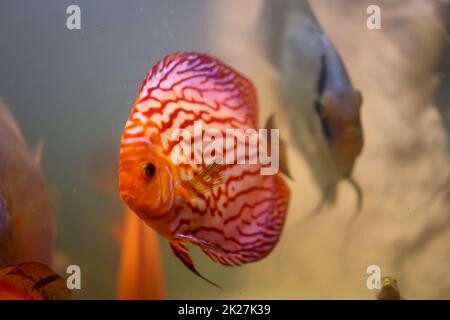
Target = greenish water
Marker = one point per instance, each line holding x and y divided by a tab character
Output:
75	88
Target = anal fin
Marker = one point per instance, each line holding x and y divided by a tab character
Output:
181	251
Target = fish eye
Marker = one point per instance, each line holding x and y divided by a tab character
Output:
150	169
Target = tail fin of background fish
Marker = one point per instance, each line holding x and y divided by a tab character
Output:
140	271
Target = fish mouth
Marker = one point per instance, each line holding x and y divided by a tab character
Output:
145	211
126	198
129	200
154	200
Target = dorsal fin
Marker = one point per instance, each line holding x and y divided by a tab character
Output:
203	79
8	120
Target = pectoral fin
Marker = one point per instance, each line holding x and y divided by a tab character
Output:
181	251
207	178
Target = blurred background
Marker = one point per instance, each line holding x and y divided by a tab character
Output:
75	88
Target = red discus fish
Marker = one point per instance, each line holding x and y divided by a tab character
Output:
231	211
